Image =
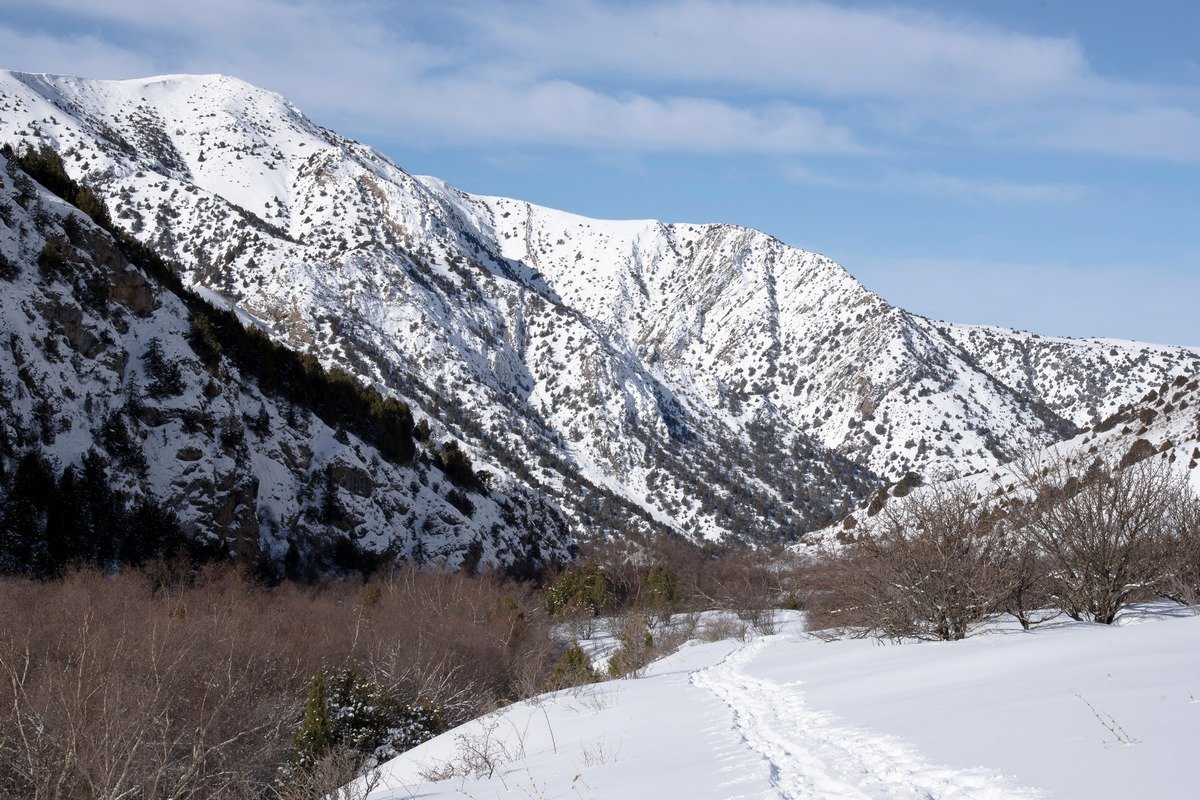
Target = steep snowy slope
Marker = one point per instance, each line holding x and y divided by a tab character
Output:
704	378
96	354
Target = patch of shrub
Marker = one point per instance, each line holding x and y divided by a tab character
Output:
585	589
574	668
199	682
929	568
9	269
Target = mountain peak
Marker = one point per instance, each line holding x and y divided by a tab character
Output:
704	378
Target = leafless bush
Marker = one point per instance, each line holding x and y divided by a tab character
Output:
1027	596
1107	535
102	700
1109	723
723	626
338	775
929	569
598	754
164	684
1182	583
748	581
467	645
479	753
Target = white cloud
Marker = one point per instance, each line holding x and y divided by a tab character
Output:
86	55
889	74
938	184
1171	134
347	60
809	47
563	112
687	75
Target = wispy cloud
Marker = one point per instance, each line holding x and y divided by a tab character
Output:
84	54
887	73
934	183
809	47
355	60
686	75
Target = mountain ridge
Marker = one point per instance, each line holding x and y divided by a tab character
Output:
706	379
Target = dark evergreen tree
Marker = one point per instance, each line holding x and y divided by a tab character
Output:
164	376
315	736
456	464
24	526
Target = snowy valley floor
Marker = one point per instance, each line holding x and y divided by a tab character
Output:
1005	714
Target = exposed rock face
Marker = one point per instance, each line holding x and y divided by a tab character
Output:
703	378
130	288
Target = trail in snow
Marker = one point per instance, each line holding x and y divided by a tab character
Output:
810	755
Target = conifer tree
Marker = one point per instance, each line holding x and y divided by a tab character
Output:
315	737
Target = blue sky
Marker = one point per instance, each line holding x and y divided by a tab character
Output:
1026	163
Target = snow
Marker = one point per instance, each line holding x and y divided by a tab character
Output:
713	379
257	492
1005	714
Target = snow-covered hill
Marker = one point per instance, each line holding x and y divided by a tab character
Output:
96	354
1164	424
1068	710
703	378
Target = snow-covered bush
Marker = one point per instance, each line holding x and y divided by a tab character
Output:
637	646
574	668
585	589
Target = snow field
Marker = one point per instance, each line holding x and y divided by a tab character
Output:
1005	714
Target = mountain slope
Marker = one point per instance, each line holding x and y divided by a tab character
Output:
701	378
1162	425
103	363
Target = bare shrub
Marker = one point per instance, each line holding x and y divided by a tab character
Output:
103	700
1106	535
169	684
467	645
341	774
1028	597
669	576
719	627
479	752
927	569
598	753
1182	583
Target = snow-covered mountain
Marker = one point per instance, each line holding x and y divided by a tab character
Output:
1164	425
707	378
98	355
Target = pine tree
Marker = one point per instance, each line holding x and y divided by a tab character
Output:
22	535
315	737
261	424
165	377
573	669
